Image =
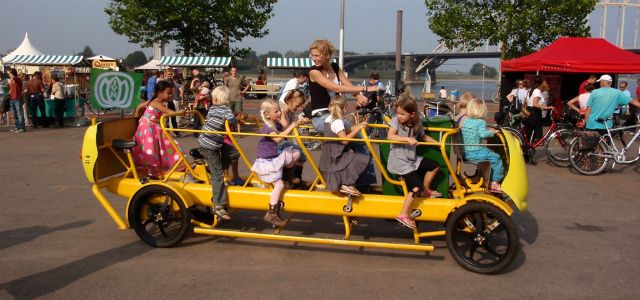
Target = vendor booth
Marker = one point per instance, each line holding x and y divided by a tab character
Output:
72	71
567	62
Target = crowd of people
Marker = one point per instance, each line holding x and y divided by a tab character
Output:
23	96
596	98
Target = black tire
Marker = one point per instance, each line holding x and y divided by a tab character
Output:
557	147
159	217
585	162
481	226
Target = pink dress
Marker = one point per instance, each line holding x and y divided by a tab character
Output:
153	150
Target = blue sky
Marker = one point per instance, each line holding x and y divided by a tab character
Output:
66	26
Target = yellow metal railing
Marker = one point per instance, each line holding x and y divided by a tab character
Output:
296	136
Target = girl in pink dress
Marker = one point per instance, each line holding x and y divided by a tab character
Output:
153	152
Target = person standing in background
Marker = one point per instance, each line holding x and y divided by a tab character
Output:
57	94
35	100
15	98
235	93
4	92
151	84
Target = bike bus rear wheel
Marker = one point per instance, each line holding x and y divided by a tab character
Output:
588	162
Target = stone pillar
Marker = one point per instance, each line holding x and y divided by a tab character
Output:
409	68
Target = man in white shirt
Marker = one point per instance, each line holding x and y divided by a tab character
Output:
292	84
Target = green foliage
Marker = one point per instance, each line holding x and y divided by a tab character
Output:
197	26
86	52
134	59
489	72
522	26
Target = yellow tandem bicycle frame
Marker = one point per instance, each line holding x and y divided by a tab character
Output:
114	170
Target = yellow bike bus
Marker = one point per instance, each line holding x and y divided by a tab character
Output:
475	223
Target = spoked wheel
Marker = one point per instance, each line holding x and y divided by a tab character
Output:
482	238
159	217
588	162
557	147
516	134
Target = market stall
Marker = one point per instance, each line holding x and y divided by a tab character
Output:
567	62
195	61
72	71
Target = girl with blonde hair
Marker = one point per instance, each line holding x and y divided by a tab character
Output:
473	130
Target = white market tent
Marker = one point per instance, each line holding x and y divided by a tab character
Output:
195	61
153	64
289	63
25	48
100	57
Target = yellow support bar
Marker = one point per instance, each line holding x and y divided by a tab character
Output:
325	241
107	206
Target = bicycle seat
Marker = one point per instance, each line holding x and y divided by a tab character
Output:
123	144
601	120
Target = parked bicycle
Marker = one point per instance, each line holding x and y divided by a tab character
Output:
604	151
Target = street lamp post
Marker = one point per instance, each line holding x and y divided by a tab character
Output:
483	66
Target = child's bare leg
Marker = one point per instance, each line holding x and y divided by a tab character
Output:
296	157
408	202
278	187
428	178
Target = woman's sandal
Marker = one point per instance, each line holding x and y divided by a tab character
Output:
406	221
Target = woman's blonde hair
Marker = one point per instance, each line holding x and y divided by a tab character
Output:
544	86
336	107
324	46
265	108
476	109
220	95
465	98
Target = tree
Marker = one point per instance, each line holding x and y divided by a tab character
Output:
87	52
135	59
197	26
519	26
262	58
489	72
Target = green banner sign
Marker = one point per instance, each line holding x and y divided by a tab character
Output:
113	89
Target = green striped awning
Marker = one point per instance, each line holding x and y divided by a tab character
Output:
45	60
195	61
289	63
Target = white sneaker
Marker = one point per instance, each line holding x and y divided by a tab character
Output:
20	131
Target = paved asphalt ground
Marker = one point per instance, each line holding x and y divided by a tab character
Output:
579	240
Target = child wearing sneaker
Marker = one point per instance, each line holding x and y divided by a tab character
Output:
417	171
270	162
340	164
218	154
473	130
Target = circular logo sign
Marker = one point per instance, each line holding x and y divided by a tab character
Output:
114	90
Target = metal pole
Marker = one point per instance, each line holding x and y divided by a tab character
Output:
635	35
624	10
398	47
483	66
604	20
341	53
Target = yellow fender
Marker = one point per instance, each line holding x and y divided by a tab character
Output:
184	197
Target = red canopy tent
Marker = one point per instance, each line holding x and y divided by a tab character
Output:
576	55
